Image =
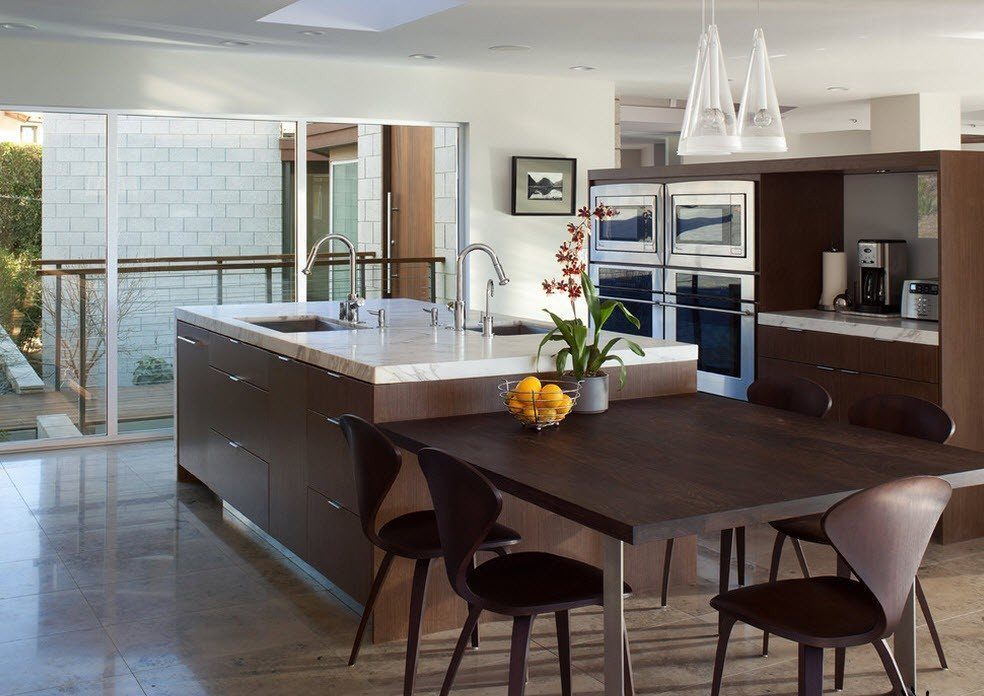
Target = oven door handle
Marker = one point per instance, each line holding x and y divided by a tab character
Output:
740	312
624	299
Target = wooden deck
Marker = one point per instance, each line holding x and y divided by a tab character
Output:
148	402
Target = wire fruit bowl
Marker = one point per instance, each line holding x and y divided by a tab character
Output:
543	409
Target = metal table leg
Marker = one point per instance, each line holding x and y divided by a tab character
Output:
905	642
614	617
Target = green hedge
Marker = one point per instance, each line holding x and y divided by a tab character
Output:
20	198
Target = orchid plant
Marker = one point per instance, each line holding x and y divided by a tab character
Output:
586	359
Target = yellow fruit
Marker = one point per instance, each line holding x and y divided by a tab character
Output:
546	415
550	395
564	406
529	384
514	406
529	413
523	397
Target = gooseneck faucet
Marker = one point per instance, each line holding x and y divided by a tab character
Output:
458	306
348	310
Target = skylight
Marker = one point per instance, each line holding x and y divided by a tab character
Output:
358	15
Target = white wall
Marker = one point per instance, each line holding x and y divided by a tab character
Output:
506	115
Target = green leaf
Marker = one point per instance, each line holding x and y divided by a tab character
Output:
635	348
550	336
621	370
562	356
628	315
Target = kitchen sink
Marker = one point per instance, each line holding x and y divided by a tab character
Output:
304	324
517	329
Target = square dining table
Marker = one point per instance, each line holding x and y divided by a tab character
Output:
670	466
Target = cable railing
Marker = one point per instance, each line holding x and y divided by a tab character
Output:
81	295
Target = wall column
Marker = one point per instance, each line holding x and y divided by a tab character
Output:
915	122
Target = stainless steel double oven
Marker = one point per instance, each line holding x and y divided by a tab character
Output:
681	256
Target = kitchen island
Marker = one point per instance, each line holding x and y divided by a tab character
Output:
259	394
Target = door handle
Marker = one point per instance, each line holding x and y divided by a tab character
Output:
189	341
234	445
335	504
741	312
234	378
825	368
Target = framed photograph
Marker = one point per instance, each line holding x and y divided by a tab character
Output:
544	185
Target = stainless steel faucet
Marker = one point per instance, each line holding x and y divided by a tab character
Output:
488	330
458	306
348	310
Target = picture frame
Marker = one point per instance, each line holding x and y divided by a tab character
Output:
544	185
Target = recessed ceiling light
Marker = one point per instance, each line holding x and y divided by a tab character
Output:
422	56
837	88
583	68
231	42
18	27
854	121
509	47
312	32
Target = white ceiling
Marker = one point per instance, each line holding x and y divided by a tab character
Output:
874	47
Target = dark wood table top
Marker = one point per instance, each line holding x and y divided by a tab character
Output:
676	465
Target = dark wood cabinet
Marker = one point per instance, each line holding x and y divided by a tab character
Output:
241	360
239	477
337	546
333	395
329	467
192	405
899	359
240	410
811	347
288	475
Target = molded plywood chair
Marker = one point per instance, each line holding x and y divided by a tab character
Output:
881	535
894	413
796	394
413	536
521	585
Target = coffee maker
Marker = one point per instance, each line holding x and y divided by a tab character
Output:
881	270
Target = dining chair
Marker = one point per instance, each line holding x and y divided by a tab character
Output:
522	585
881	535
895	413
787	393
413	536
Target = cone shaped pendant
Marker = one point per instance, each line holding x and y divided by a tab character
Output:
759	119
711	127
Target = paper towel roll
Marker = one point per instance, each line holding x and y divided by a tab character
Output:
834	277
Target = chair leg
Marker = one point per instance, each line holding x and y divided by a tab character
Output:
740	548
421	573
629	680
930	623
459	649
519	654
667	557
891	667
840	654
773	576
474	636
377	584
724	575
810	670
563	621
798	548
726	622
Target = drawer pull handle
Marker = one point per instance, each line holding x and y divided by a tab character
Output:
850	372
232	340
825	368
335	504
333	421
790	328
283	357
234	445
885	340
234	378
333	375
189	341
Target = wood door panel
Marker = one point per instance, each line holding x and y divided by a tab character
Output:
828	379
240	411
191	398
898	359
812	347
288	473
412	185
239	478
334	395
329	467
337	547
240	359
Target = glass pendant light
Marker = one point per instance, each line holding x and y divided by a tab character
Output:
683	145
710	125
759	119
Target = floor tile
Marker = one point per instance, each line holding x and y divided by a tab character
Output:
34	576
169	595
106	515
56	661
155	537
125	685
25	545
44	614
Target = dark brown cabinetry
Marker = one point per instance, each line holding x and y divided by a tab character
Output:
337	546
239	476
191	350
850	367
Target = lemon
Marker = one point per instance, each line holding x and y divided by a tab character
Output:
564	405
514	406
546	415
550	395
527	390
529	413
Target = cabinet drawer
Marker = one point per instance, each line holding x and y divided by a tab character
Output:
812	347
899	359
239	478
188	335
337	546
191	398
244	361
240	411
333	395
825	377
329	466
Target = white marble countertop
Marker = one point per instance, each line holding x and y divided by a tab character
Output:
902	330
408	349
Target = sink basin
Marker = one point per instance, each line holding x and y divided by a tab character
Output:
518	329
304	324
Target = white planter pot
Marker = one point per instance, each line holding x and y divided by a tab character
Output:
594	395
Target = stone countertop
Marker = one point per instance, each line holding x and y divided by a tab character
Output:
408	349
895	329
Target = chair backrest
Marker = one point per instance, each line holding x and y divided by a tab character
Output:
790	394
903	415
467	505
883	532
376	464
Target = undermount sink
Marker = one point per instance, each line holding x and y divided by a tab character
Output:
517	329
304	324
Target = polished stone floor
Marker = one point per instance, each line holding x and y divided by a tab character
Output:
116	580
